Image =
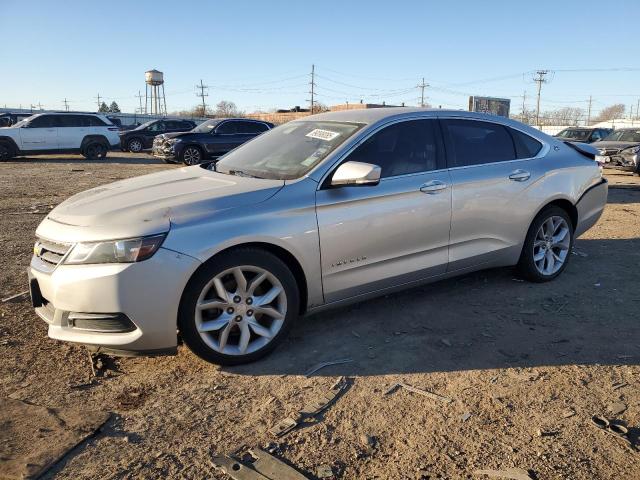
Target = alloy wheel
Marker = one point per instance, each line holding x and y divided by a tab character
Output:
191	156
551	245
240	310
135	146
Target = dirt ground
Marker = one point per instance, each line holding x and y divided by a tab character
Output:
526	365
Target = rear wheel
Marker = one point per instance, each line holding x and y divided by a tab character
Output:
191	155
6	152
94	150
135	145
547	248
238	307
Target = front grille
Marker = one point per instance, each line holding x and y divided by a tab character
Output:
50	252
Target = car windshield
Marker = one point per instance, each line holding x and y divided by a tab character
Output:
146	124
206	127
624	136
288	151
574	134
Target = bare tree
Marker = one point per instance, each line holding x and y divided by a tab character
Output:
225	108
564	116
611	112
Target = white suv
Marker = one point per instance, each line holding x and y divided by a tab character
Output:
92	135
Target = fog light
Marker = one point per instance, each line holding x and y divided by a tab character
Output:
101	322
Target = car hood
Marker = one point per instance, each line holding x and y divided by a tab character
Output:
148	204
176	134
614	144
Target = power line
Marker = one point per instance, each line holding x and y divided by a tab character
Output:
66	104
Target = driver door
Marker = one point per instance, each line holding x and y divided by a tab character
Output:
39	134
380	236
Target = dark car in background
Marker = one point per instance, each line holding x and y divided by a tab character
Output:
621	149
141	137
583	134
8	119
210	139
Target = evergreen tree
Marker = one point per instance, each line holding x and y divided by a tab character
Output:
114	108
103	108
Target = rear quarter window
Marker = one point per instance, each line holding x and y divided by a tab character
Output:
475	142
526	146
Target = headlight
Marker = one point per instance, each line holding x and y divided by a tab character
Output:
632	149
115	251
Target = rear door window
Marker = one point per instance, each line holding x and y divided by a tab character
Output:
473	142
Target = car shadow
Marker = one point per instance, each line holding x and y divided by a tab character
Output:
485	320
111	158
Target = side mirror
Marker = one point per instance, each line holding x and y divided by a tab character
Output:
356	174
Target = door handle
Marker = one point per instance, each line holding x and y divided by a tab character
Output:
433	187
519	175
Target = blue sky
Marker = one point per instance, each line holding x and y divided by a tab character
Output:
259	54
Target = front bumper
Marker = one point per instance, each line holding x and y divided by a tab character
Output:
623	161
130	307
590	206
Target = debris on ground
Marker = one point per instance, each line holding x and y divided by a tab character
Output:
324	471
616	408
311	409
434	396
34	437
466	416
262	466
326	364
512	473
16	297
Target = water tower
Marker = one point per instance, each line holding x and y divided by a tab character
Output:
155	102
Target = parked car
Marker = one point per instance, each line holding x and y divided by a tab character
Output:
141	138
583	134
8	119
92	135
118	123
316	213
621	149
210	139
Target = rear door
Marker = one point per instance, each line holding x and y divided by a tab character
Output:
492	167
71	130
374	237
40	134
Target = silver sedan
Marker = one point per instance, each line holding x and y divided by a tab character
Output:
330	209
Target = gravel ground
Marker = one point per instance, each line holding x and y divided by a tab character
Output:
525	365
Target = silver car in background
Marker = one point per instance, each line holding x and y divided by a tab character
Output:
329	209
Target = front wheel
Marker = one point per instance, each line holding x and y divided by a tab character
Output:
547	248
94	150
191	156
6	152
238	307
135	145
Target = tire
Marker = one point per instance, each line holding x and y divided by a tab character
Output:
191	155
94	150
6	152
545	256
135	145
204	330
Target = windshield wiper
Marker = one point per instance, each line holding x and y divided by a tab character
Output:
241	173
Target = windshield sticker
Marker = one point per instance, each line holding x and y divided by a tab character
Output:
327	135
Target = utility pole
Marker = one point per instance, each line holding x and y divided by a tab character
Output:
422	86
39	106
202	88
66	104
99	104
589	111
524	99
313	85
638	108
540	78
